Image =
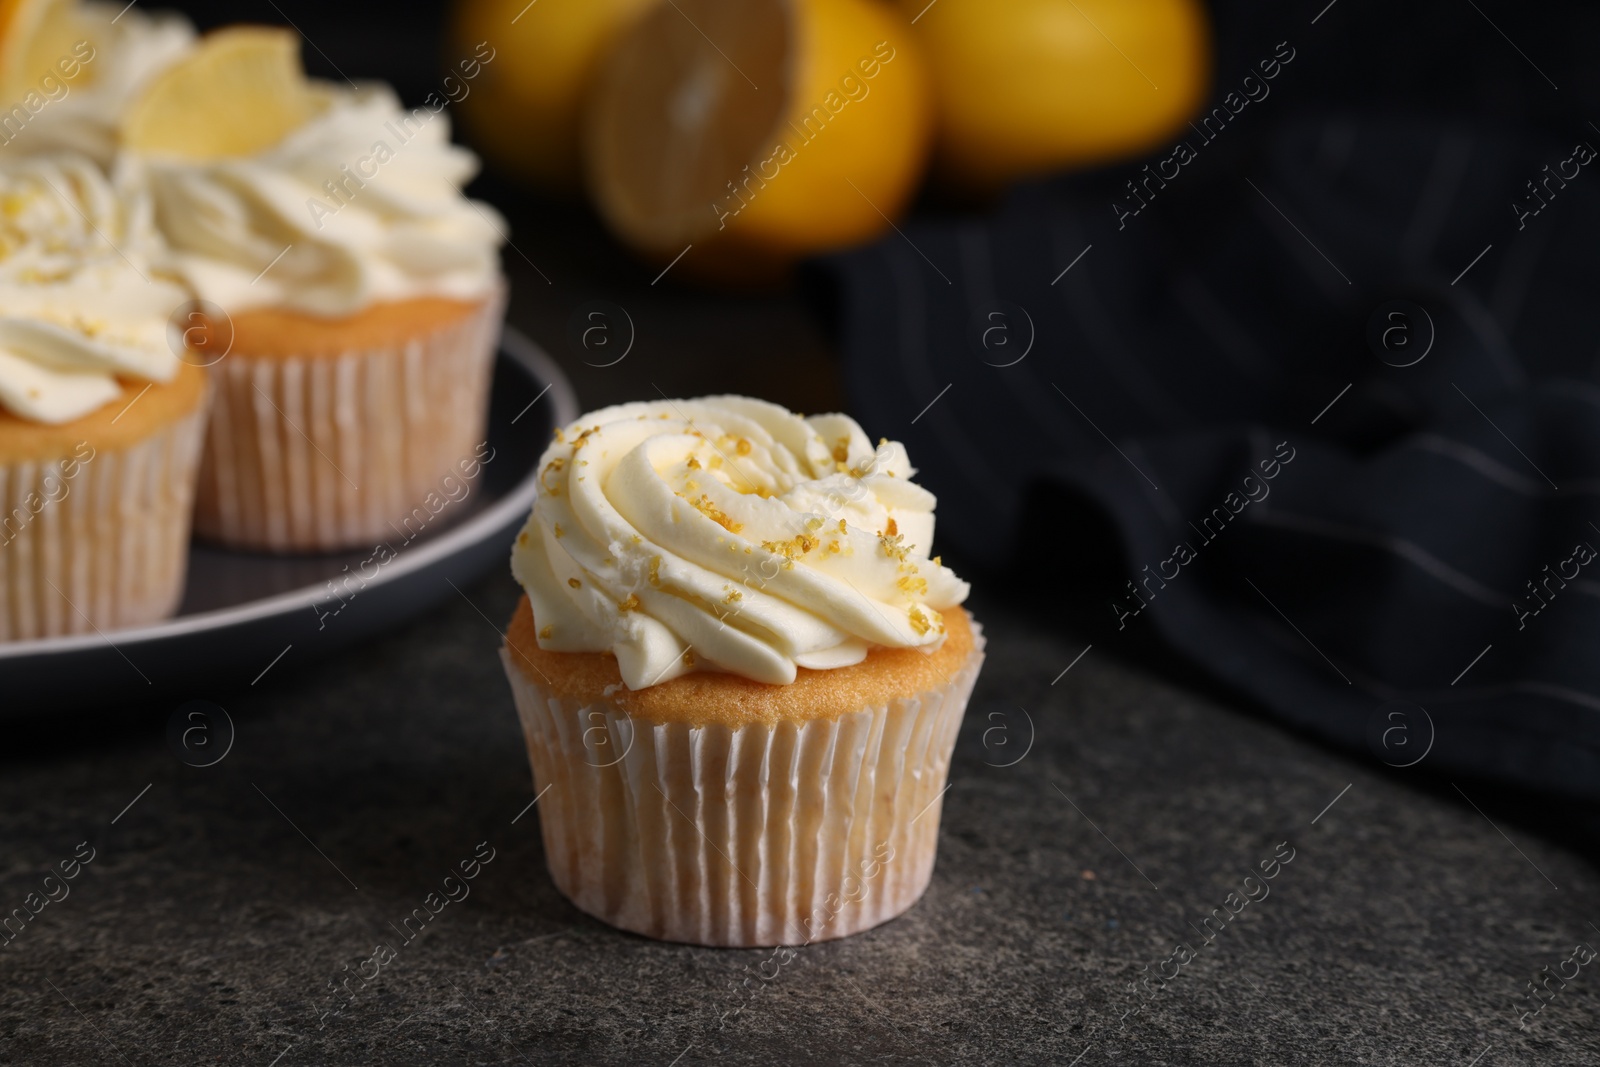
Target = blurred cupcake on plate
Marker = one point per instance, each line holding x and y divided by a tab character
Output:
100	421
739	674
351	295
68	70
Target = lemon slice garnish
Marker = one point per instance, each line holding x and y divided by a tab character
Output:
36	41
240	92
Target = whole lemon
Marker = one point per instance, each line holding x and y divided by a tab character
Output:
522	110
1027	86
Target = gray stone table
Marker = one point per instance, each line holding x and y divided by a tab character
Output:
222	904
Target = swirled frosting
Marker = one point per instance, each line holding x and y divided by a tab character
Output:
80	304
82	116
728	534
361	205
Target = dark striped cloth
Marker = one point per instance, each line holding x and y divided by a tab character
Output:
1394	557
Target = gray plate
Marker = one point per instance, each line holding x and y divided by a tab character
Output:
246	615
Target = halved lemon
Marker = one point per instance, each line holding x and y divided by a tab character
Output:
241	91
533	63
757	131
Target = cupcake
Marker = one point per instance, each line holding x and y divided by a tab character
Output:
355	291
100	422
739	674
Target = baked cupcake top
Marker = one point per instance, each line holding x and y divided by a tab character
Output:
80	303
728	534
88	62
359	206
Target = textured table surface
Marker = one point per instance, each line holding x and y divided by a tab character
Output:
221	907
224	906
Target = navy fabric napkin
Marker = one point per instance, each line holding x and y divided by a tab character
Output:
1334	392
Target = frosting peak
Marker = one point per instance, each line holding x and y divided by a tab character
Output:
728	534
79	304
121	50
361	205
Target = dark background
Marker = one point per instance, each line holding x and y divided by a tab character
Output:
1431	58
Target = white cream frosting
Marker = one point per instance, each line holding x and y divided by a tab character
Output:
80	304
728	534
130	47
361	205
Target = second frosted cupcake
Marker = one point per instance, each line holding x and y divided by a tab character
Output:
357	294
100	419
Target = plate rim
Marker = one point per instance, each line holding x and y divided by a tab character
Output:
519	500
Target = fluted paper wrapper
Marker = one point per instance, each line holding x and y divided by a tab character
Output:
763	835
112	549
330	452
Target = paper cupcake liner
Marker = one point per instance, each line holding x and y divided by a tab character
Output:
329	452
98	543
763	835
